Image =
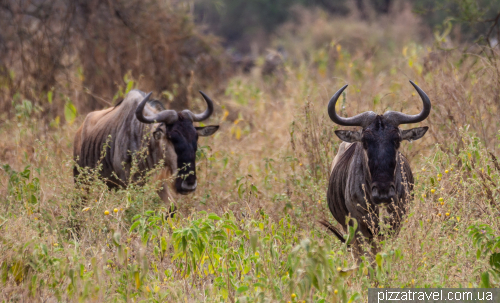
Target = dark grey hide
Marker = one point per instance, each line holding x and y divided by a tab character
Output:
349	191
170	137
369	170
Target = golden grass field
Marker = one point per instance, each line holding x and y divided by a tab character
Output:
249	233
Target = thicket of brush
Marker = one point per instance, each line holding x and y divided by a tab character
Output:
249	232
83	55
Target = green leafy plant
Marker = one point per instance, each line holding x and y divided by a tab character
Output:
488	244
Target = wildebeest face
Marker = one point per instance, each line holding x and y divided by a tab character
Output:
184	137
381	140
179	134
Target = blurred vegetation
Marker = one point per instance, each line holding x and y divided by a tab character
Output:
477	19
92	51
242	22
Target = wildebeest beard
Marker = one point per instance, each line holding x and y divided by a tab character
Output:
184	138
381	140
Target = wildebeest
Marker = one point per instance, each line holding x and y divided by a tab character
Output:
172	139
369	170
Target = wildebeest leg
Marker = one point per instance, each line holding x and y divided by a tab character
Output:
80	200
395	214
357	251
167	199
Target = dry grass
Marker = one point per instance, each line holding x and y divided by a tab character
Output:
265	175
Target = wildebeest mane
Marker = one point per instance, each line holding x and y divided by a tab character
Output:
119	103
156	104
116	122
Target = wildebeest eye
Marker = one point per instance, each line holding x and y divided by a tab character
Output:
157	134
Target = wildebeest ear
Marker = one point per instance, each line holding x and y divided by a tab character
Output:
348	135
207	130
414	133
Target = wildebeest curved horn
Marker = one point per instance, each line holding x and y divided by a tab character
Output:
362	119
204	115
167	116
399	118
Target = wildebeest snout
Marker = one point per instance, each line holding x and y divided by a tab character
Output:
383	192
189	185
186	181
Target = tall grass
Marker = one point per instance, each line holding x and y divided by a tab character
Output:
249	232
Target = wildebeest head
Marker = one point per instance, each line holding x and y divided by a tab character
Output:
381	138
177	128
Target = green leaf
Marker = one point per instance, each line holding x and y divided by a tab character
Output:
163	244
82	270
49	96
242	289
240	190
315	281
253	242
353	298
136	223
224	293
379	260
352	231
495	261
116	239
130	85
69	112
213	216
246	269
229	226
485	280
253	188
220	238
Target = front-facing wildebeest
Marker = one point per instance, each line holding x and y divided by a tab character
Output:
369	170
136	124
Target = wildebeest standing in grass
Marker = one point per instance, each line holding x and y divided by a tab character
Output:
369	170
173	140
